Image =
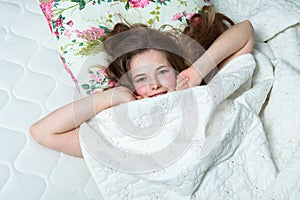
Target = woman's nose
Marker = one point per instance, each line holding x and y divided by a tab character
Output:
155	84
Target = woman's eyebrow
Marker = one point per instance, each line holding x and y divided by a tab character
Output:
138	75
162	66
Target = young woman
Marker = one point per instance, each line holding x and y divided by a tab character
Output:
148	69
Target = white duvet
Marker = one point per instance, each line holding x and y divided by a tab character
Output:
187	138
236	138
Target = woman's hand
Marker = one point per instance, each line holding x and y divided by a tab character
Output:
121	94
189	78
182	82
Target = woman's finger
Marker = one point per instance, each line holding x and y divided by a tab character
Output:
182	83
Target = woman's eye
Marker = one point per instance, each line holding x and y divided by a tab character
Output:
140	79
163	71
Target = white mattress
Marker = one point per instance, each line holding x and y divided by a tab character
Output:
33	82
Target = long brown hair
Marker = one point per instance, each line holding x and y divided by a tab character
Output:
126	41
206	26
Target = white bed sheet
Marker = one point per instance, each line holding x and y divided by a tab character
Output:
33	82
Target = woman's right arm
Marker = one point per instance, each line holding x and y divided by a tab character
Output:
59	129
235	41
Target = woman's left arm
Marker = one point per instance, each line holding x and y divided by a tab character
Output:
59	129
235	41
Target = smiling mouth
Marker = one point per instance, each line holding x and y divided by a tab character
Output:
157	94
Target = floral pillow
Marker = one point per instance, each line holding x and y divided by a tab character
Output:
79	27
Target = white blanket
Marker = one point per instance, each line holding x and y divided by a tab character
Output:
164	146
236	138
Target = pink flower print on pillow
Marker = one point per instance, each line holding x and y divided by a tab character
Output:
47	10
90	34
98	80
59	22
70	23
177	16
139	3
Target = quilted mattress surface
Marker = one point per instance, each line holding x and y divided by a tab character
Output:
33	82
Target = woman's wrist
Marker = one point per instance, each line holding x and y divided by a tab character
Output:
204	65
102	100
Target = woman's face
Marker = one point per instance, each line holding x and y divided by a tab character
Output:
152	74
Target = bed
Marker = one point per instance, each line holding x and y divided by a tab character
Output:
261	165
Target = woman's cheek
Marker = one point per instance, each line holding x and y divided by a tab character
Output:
170	82
140	90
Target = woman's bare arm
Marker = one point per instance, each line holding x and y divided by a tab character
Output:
59	129
235	41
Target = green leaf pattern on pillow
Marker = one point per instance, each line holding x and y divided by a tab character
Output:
79	27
